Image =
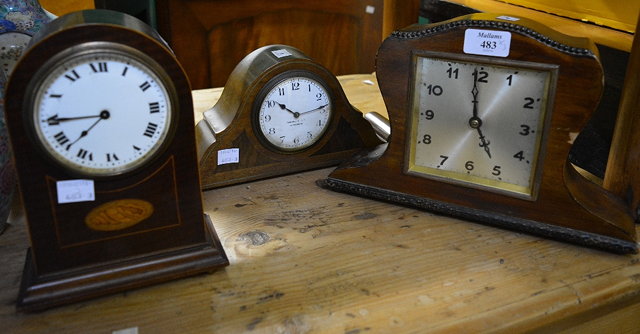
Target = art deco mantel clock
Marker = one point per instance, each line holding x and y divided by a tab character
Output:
280	112
483	109
101	123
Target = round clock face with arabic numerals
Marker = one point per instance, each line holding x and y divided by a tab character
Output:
294	111
479	124
101	112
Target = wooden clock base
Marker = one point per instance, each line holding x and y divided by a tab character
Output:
354	177
41	292
559	233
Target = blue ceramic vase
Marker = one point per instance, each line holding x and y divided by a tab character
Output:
19	20
7	173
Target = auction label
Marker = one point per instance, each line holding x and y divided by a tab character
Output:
487	42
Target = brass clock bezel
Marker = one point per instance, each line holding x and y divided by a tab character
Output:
35	86
266	89
504	188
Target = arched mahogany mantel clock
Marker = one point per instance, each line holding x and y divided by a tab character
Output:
101	123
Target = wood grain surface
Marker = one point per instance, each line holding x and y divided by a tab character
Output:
308	260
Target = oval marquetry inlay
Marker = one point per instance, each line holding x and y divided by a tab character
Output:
118	214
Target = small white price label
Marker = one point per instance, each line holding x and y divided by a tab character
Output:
132	330
72	191
508	18
281	53
229	156
487	42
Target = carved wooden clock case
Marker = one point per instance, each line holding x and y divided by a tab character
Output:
100	100
279	113
481	129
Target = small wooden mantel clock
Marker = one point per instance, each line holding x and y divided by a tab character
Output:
280	112
100	118
483	109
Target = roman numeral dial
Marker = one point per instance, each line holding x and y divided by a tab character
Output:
102	113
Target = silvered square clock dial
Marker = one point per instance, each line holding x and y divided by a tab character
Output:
479	123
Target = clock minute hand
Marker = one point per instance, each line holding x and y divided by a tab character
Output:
474	92
284	107
315	109
55	120
475	122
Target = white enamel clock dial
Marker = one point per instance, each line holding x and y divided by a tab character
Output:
102	112
479	124
295	113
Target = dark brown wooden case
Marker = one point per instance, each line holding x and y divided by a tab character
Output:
231	123
68	261
568	207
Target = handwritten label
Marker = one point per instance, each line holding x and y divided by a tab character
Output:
487	42
229	156
508	18
281	53
72	191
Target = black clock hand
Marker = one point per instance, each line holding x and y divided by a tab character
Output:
103	115
312	110
475	122
474	92
55	120
284	107
484	143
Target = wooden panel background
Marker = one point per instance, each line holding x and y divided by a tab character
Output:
211	37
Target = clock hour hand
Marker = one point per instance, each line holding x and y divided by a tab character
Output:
284	107
103	115
476	123
484	143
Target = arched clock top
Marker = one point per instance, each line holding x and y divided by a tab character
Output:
571	45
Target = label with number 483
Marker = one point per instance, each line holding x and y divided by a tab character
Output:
487	42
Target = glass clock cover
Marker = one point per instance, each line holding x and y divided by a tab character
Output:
478	123
101	113
295	113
